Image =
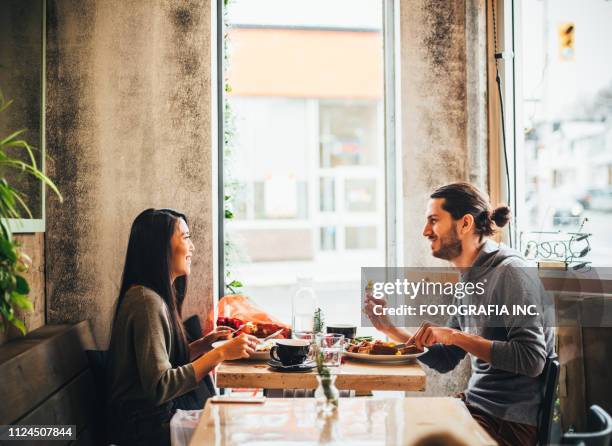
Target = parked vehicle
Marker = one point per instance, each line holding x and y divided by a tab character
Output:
597	199
567	212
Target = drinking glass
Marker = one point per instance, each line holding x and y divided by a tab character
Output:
331	346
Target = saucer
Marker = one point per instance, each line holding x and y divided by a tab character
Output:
304	367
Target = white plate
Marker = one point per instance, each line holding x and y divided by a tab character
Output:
258	356
385	358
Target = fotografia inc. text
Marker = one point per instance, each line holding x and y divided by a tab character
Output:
456	310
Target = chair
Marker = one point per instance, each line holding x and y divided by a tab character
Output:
97	360
550	378
600	430
193	328
195	399
46	380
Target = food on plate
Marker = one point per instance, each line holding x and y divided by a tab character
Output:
380	348
260	330
265	346
410	350
384	348
363	338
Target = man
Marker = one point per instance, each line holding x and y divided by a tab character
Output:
503	393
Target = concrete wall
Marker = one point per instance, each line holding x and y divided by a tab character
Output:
128	127
443	101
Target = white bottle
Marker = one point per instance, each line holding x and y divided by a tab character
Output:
304	305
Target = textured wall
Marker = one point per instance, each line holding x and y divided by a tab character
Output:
128	127
443	100
434	114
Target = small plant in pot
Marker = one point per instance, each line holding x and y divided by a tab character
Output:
14	288
326	393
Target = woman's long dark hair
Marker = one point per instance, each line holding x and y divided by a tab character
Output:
147	263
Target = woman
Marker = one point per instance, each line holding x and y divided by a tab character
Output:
152	370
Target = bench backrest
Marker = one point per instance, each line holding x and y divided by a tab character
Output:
46	380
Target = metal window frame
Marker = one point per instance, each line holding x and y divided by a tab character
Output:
513	130
392	116
508	68
392	167
513	94
219	203
31	225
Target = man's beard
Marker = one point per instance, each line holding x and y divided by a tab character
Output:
450	246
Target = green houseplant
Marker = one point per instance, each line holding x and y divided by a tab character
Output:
14	288
326	393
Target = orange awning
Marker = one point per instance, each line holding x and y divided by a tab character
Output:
306	63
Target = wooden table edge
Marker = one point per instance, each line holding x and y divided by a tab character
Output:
415	382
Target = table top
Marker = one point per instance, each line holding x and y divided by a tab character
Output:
352	375
358	421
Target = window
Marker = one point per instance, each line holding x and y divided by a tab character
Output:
564	120
305	167
22	81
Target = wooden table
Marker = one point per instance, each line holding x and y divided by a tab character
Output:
358	421
352	375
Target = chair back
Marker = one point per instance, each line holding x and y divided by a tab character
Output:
193	328
600	430
97	360
550	378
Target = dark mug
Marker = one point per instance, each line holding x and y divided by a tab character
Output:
290	351
349	331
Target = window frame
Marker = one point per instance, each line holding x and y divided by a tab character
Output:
36	225
509	65
511	44
391	116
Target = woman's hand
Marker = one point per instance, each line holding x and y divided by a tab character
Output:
239	347
218	333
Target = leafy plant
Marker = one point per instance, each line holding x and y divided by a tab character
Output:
322	369
231	186
14	288
319	321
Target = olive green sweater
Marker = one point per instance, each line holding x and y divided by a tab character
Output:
140	349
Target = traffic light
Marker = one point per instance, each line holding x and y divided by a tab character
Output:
566	41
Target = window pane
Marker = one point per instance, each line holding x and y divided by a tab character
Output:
348	134
239	201
327	197
281	197
306	141
565	113
361	237
328	238
21	59
360	195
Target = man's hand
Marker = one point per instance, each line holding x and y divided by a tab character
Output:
431	334
380	321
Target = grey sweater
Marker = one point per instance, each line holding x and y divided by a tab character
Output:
139	367
509	387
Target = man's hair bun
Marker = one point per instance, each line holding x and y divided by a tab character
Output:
501	216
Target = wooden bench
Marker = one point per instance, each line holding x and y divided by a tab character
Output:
45	379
